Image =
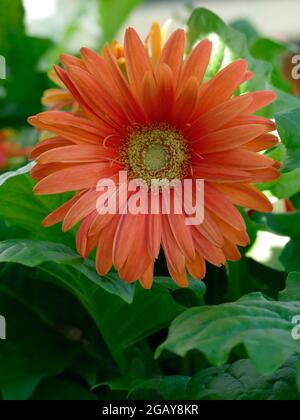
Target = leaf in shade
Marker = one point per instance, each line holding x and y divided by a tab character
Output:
259	324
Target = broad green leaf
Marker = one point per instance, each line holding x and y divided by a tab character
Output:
30	352
272	51
20	207
21	171
246	28
286	186
292	290
240	381
248	275
121	324
288	126
262	326
193	296
286	224
290	256
113	14
35	253
59	390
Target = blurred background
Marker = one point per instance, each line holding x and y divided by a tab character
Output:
273	18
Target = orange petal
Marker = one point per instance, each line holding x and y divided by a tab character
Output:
173	254
197	268
196	62
84	243
97	98
187	102
86	205
218	117
154	235
260	100
231	251
211	253
245	195
104	249
222	86
49	144
239	237
77	154
243	120
263	142
228	138
74	178
218	204
147	278
136	58
238	159
172	53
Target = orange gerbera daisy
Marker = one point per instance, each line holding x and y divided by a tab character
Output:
157	119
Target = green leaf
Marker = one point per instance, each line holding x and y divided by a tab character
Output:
30	352
272	51
165	387
262	326
286	186
246	28
196	288
59	390
21	171
113	14
292	290
286	224
228	45
240	381
20	207
35	253
288	127
290	256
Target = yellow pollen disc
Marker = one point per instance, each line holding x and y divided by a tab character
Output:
155	152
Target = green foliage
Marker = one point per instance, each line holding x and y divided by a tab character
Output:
74	335
252	321
238	381
24	83
113	13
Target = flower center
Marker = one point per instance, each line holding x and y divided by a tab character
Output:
155	157
155	152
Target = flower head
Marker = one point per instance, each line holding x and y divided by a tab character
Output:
156	118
